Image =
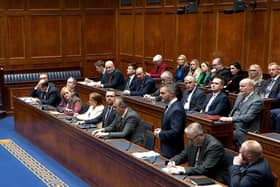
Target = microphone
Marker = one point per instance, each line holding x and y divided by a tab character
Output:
129	146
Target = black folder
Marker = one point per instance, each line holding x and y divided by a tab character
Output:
202	181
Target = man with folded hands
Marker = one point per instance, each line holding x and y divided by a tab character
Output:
205	156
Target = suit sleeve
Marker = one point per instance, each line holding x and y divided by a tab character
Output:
181	158
177	123
116	79
213	156
254	109
95	120
223	105
128	130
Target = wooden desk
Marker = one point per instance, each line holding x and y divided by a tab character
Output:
151	113
271	150
96	161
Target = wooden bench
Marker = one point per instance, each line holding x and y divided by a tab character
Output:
21	83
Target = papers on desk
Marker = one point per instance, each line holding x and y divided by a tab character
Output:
144	155
29	99
92	83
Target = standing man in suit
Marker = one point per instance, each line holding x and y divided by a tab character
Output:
131	81
158	68
113	78
246	112
271	88
145	84
125	125
171	133
205	156
193	97
217	102
250	168
108	114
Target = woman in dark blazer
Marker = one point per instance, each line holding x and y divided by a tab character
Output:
237	76
182	68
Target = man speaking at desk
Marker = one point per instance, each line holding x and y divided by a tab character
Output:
125	125
171	133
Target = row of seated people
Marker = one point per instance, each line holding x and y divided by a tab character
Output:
205	155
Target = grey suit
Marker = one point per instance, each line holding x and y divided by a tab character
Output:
211	161
247	117
127	127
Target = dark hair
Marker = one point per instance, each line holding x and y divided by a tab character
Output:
236	65
134	66
100	63
96	97
221	78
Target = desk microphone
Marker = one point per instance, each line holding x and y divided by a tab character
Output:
155	159
129	146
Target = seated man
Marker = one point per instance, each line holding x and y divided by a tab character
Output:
131	81
166	77
108	114
217	102
275	117
158	68
193	97
250	168
125	125
205	156
145	84
246	112
113	78
46	92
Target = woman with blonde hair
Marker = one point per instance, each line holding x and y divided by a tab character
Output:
182	68
255	73
95	107
70	103
194	69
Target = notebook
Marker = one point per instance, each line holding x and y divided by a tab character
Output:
201	181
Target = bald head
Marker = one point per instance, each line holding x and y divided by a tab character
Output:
251	150
109	66
246	86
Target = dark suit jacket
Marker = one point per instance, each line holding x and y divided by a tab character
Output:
233	86
248	117
197	99
126	127
225	74
275	89
101	117
117	80
51	97
185	70
133	84
211	161
257	174
145	86
172	130
220	105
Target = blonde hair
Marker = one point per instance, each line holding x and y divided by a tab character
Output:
64	90
259	71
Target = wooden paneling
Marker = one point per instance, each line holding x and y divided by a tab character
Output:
16	39
153	40
100	3
46	38
126	34
274	53
2	38
257	38
99	34
43	4
72	37
230	36
208	35
139	35
189	35
169	33
71	4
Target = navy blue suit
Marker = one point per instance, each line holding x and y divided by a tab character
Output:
145	86
117	80
196	101
133	84
172	130
257	174
220	105
105	122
